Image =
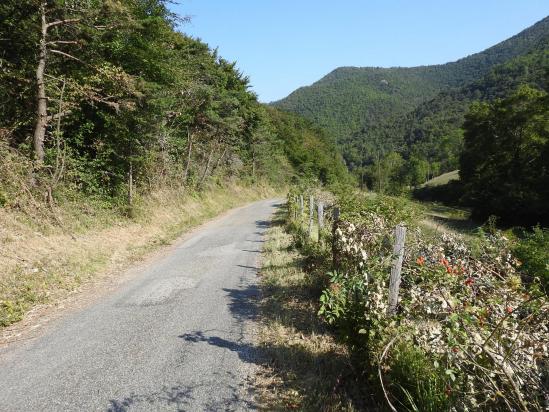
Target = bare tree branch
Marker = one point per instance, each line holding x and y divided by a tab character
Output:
62	42
65	54
58	22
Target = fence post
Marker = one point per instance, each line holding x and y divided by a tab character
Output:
320	212
311	213
398	256
335	216
300	207
295	207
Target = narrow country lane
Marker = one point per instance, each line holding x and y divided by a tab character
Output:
175	337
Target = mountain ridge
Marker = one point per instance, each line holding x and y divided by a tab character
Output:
351	99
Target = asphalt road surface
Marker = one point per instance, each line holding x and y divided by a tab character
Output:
177	336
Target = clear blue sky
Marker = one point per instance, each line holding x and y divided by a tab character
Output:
285	44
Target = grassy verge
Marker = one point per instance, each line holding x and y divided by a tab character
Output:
443	179
441	218
41	261
306	368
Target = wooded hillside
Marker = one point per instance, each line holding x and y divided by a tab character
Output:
109	97
417	112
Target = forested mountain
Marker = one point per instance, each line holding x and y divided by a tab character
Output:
350	97
109	96
434	129
418	111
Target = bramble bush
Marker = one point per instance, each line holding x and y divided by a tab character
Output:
468	333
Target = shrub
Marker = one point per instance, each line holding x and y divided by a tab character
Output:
533	252
468	332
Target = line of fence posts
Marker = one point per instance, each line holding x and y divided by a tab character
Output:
396	267
298	201
398	246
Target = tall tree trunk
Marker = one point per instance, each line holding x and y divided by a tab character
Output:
253	162
219	159
189	151
207	168
42	102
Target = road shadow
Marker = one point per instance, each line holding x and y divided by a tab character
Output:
182	398
299	362
262	225
168	396
254	268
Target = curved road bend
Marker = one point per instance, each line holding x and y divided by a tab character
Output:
175	337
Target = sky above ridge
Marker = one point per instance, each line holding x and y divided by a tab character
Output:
285	44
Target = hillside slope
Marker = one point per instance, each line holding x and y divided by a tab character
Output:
350	99
432	130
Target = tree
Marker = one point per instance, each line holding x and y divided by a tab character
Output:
46	47
505	163
131	103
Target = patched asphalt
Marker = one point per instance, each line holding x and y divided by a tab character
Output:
178	336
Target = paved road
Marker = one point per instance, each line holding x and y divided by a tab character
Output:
174	337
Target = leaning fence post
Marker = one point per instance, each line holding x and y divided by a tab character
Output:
398	256
335	216
311	213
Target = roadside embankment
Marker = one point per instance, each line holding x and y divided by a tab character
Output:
60	250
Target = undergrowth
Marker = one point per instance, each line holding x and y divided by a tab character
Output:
467	334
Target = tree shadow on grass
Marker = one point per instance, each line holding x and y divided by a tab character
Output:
303	358
464	226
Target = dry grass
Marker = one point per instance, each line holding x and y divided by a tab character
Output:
42	260
305	368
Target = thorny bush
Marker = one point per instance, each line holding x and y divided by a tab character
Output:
468	312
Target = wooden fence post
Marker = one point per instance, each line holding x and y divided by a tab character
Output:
311	214
335	216
398	256
320	213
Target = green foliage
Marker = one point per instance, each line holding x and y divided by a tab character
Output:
308	149
463	312
417	112
138	96
360	205
504	163
533	252
420	385
434	128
